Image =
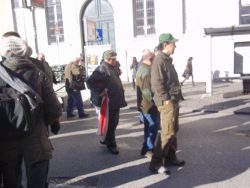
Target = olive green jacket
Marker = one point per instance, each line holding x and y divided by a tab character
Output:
144	92
164	80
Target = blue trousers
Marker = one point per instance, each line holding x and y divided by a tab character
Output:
151	126
75	99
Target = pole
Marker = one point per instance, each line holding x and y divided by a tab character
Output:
209	79
34	27
126	53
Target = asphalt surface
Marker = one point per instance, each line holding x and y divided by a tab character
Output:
214	140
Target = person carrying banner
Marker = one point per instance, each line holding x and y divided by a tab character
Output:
104	81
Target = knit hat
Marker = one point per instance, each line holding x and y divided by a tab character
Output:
14	46
167	37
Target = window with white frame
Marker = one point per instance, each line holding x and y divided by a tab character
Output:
144	17
54	21
244	12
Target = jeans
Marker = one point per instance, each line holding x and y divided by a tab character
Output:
151	126
75	98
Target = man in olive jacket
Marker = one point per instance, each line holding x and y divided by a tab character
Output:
105	81
35	149
167	93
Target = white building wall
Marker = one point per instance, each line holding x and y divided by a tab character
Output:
168	18
6	17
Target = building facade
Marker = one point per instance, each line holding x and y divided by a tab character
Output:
65	29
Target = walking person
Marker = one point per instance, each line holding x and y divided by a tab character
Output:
105	81
166	88
149	110
74	82
134	66
188	71
34	149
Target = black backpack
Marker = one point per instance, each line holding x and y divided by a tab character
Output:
18	109
14	114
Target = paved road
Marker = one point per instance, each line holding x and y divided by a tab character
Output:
214	141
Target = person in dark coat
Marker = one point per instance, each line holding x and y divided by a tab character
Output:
35	149
105	81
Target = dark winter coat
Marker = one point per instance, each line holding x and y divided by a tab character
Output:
105	76
35	147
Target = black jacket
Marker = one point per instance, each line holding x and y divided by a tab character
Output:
105	76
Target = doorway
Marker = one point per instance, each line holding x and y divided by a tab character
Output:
97	23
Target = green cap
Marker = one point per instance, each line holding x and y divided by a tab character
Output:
109	54
167	37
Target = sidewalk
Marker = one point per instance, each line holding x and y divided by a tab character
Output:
225	96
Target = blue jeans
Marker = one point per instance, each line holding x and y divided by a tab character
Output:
75	98
151	126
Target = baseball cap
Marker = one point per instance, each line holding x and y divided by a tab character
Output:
167	37
109	54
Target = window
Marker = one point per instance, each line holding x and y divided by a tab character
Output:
244	12
54	21
144	17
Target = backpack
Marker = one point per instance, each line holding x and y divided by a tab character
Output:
17	113
14	114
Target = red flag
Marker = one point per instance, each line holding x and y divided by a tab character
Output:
104	117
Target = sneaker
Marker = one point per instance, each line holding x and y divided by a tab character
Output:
149	154
160	170
146	153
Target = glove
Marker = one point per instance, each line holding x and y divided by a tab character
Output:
55	127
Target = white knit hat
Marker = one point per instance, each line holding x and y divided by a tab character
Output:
14	46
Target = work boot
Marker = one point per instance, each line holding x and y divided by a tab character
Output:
172	160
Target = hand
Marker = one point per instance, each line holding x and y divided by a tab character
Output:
55	127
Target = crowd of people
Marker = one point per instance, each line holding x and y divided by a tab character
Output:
158	94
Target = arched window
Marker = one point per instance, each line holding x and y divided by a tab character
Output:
99	23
